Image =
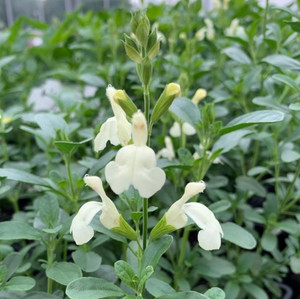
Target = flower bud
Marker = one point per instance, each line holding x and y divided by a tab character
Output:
142	31
199	95
171	91
153	44
131	49
125	102
139	129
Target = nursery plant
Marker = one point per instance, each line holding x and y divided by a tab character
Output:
152	154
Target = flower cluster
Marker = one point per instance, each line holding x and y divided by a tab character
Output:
135	164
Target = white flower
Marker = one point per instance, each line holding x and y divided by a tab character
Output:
116	129
235	30
209	237
168	151
135	164
186	128
110	217
210	32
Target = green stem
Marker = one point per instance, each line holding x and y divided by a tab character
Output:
184	244
265	18
145	222
73	194
147	109
50	259
4	149
290	190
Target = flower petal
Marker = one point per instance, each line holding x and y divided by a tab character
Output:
108	132
209	238
175	216
175	130
188	129
135	165
110	215
80	228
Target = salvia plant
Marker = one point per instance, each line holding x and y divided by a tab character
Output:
163	165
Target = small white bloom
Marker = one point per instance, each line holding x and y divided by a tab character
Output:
200	34
235	30
209	237
135	164
116	129
186	128
199	95
80	227
168	151
210	32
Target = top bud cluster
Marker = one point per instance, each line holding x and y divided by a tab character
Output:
142	45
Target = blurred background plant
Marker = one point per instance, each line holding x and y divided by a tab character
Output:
245	134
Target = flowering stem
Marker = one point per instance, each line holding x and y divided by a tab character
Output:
147	109
145	222
184	244
73	194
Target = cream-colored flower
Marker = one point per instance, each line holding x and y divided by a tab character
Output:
110	217
116	129
235	30
168	151
187	129
135	164
209	237
199	95
210	31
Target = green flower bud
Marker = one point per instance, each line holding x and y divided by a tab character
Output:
131	49
124	229
125	102
153	44
142	31
134	22
165	100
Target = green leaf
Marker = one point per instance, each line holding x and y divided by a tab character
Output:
20	283
51	123
286	80
6	60
17	230
269	241
64	272
220	206
185	110
256	291
232	289
294	106
87	261
125	272
288	155
252	118
155	250
294	24
68	147
295	264
215	293
39	295
238	235
145	275
22	176
92	288
12	263
290	226
282	61
92	80
237	55
49	210
185	295
250	184
157	287
101	163
214	267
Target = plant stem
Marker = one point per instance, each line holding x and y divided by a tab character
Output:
147	109
184	244
289	191
265	18
73	194
145	222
